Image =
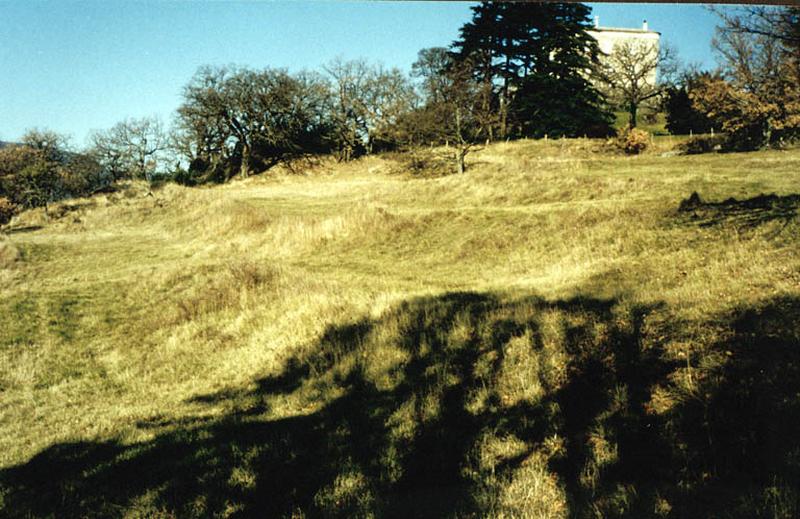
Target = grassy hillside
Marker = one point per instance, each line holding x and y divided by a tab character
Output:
547	335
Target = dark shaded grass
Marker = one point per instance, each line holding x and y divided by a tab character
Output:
732	450
740	435
25	319
27	228
748	213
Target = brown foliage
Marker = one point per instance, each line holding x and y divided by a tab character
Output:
15	158
746	117
633	141
758	102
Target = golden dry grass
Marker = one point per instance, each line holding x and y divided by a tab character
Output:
375	327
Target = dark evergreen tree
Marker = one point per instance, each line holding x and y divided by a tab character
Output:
682	117
536	57
560	107
482	47
555	96
482	41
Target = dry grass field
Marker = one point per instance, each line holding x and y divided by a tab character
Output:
550	334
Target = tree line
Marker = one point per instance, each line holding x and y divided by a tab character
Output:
516	70
754	96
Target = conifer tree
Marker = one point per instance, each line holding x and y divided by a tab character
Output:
480	48
536	57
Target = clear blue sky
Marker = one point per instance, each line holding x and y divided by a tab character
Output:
77	66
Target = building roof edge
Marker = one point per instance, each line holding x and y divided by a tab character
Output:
621	29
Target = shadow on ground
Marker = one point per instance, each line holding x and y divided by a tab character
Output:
747	213
18	230
467	405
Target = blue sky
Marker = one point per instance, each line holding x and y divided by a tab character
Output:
76	66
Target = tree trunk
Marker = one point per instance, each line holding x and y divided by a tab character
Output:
504	101
461	145
244	169
503	116
486	110
632	108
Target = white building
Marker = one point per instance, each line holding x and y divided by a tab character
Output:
644	38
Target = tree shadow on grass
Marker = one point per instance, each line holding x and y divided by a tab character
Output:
739	430
747	214
440	408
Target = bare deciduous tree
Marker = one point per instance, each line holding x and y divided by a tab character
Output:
131	148
52	144
389	95
368	100
636	73
774	22
245	119
757	99
431	66
350	83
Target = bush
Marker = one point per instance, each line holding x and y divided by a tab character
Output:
7	210
747	119
35	177
702	144
186	177
423	163
633	141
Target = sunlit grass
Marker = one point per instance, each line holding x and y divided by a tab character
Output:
404	326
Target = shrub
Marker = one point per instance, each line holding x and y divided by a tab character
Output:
7	210
422	162
747	119
186	177
633	141
702	144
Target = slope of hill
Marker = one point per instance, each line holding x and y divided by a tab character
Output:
546	335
